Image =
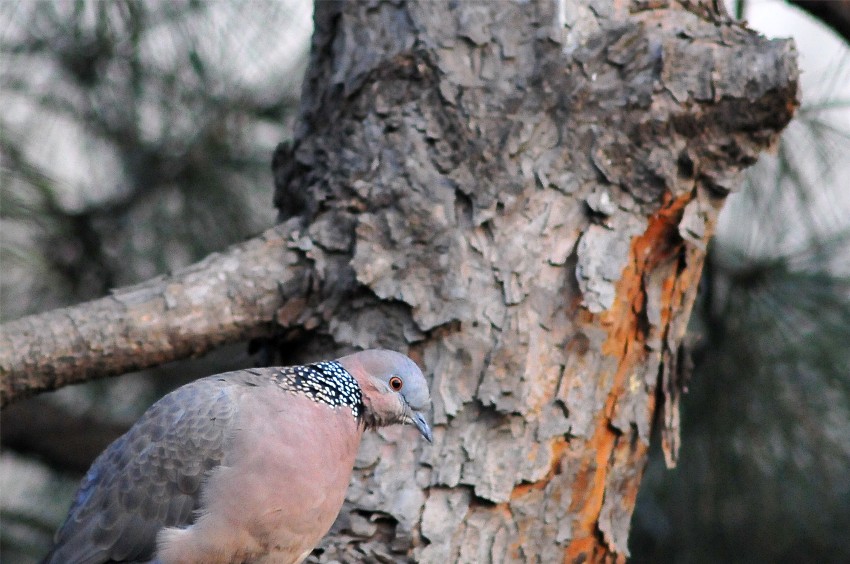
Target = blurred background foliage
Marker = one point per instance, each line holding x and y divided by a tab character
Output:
136	137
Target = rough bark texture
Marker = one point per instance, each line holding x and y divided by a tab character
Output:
224	298
520	194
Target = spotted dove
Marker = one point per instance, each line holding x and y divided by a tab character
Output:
247	466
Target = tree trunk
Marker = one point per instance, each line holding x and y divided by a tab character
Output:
519	195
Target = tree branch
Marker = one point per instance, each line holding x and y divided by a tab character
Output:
224	298
835	14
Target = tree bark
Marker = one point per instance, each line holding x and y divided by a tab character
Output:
519	195
225	298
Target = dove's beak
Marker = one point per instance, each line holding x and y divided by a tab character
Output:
419	420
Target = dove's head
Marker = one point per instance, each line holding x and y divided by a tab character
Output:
394	389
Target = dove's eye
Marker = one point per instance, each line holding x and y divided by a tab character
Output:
396	383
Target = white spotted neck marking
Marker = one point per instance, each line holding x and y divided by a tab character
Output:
323	382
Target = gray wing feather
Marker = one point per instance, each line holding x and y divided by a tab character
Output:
150	477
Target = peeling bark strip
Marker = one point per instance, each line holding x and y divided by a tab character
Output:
521	195
225	298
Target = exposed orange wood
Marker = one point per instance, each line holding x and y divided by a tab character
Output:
655	248
559	446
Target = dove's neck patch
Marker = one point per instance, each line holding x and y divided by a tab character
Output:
323	382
